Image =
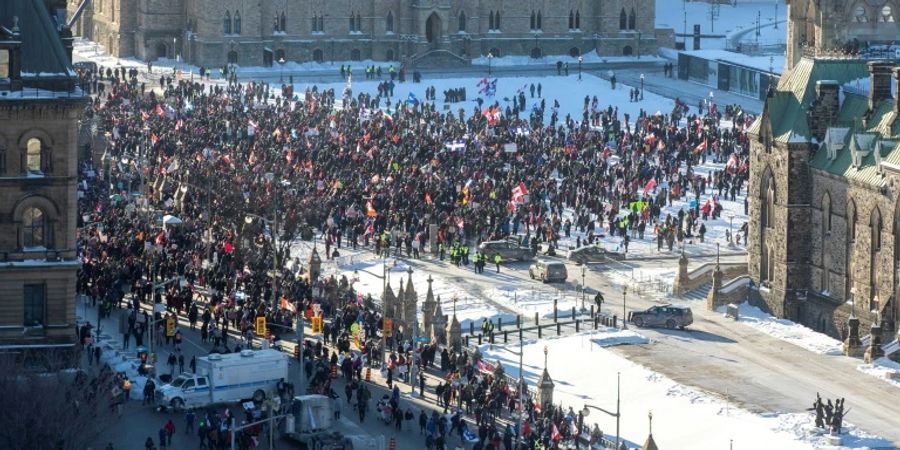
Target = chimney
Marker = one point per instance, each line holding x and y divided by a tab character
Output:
825	108
879	82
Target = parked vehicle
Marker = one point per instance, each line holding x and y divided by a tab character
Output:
669	316
311	422
226	378
593	254
548	271
509	250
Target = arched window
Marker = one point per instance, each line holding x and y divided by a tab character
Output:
283	22
632	20
389	25
851	225
887	14
33	228
237	22
232	57
577	20
315	24
623	20
226	23
876	228
491	21
768	210
533	17
540	25
571	20
321	24
318	55
352	23
462	21
358	22
826	213
860	14
389	55
34	156
497	21
875	225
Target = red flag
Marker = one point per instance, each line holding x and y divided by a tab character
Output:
650	186
159	111
428	200
700	147
285	304
554	434
145	116
154	139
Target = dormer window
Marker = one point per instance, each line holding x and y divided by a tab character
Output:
4	63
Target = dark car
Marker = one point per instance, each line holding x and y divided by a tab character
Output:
509	250
669	316
592	254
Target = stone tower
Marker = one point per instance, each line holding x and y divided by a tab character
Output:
315	265
397	309
825	26
427	310
38	183
454	335
439	325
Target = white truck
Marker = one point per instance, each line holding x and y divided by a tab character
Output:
226	378
311	422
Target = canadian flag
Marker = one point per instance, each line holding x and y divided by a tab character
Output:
159	111
519	193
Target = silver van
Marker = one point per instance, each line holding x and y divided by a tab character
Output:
548	271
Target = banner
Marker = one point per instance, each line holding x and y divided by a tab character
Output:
388	327
170	327
317	324
261	326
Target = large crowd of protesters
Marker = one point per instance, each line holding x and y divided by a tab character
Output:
247	168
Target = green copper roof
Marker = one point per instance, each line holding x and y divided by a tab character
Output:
43	55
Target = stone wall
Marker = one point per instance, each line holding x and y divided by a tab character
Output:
703	274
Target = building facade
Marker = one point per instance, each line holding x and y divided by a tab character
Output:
817	26
824	240
214	32
40	106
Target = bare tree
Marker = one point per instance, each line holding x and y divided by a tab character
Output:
50	410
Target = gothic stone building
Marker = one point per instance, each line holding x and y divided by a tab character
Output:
253	33
824	240
39	110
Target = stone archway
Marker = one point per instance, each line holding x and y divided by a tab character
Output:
433	29
161	51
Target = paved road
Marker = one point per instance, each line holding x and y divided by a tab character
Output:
752	369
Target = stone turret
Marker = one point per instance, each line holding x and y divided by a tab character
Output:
427	310
454	335
439	325
853	344
397	311
410	305
682	276
388	301
874	351
545	387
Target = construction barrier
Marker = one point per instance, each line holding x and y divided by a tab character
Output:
368	374
392	445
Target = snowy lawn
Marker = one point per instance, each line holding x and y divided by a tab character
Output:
684	418
788	331
731	20
884	369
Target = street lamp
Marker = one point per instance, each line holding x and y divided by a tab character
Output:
281	63
618	414
490	58
415	344
642	86
624	296
583	267
580	60
730	215
520	389
273	178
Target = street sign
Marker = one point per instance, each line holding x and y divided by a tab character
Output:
261	326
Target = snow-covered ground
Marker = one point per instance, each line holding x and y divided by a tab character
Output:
588	58
559	88
884	369
730	22
684	418
787	330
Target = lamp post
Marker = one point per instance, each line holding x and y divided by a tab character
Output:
580	60
624	297
520	389
730	227
642	86
273	178
776	14
583	267
490	58
281	62
415	343
618	414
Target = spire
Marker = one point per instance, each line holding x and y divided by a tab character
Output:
410	290
650	444
429	296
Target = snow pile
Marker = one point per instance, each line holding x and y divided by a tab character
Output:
684	418
884	369
787	330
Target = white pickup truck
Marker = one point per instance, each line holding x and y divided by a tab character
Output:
226	378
